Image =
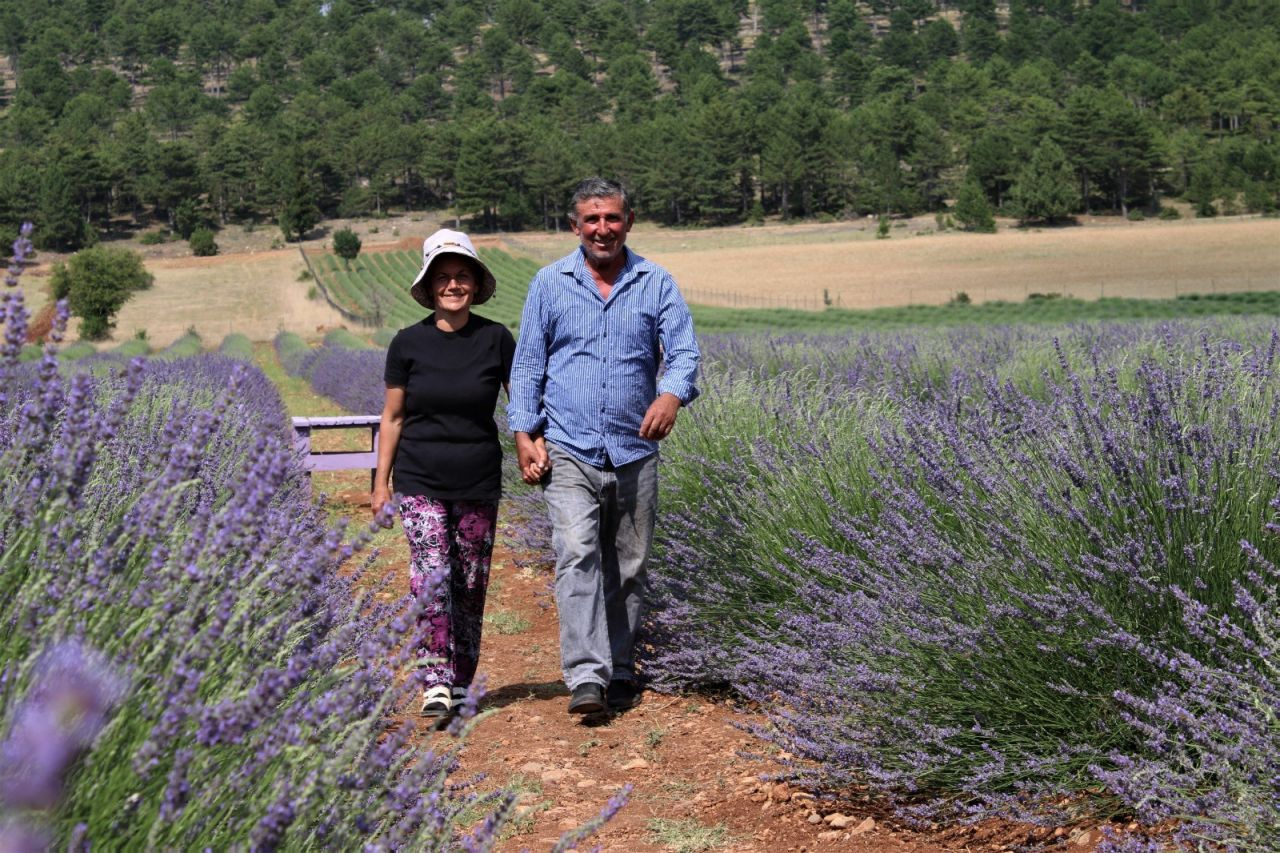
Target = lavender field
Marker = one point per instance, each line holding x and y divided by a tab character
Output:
190	658
1017	572
1025	572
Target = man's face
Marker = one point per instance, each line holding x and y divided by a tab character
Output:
602	227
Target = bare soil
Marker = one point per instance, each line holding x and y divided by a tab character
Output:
690	758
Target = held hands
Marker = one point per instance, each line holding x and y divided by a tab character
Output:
382	506
531	453
661	417
531	456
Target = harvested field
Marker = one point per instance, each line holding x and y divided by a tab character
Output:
257	294
791	266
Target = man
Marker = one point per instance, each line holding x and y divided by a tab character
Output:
588	411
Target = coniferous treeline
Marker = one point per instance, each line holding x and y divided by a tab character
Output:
118	112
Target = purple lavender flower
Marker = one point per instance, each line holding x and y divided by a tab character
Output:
71	692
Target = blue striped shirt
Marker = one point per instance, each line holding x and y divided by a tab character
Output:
586	368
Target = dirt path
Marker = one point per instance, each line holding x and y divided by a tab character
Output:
695	784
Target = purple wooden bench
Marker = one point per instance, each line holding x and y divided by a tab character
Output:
337	460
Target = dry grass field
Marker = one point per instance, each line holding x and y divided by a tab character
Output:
255	293
791	266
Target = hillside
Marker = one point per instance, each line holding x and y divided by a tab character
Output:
118	117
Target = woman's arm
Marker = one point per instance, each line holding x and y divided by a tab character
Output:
388	443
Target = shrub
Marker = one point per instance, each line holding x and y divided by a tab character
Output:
187	345
1168	213
133	348
202	243
260	687
187	217
154	238
294	353
346	244
344	338
350	377
96	282
78	350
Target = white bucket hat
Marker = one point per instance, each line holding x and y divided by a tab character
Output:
446	242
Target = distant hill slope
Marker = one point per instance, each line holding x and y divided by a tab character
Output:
131	114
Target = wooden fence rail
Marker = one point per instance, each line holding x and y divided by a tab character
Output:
337	460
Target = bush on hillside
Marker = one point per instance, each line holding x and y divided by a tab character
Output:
202	243
346	244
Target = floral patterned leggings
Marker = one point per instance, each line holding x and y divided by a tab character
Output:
458	536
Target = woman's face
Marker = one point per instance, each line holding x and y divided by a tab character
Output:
453	283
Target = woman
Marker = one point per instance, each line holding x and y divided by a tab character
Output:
440	443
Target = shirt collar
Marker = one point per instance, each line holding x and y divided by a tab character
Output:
575	264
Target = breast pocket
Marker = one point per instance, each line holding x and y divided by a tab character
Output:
638	329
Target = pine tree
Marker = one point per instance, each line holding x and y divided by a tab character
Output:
1045	189
973	211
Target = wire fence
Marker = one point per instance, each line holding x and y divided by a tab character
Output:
1004	291
349	316
735	299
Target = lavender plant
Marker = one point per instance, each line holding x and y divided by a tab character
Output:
237	345
188	344
294	353
985	581
350	377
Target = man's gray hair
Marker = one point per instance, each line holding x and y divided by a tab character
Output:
598	188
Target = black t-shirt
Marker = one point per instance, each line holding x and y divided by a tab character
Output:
449	442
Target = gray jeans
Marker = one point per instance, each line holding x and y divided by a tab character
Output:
602	529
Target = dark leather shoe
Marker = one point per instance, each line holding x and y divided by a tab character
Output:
623	695
587	698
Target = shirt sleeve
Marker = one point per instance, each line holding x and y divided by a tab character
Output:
679	346
396	372
529	366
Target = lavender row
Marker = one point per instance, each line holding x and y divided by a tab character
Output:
985	572
349	376
191	659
